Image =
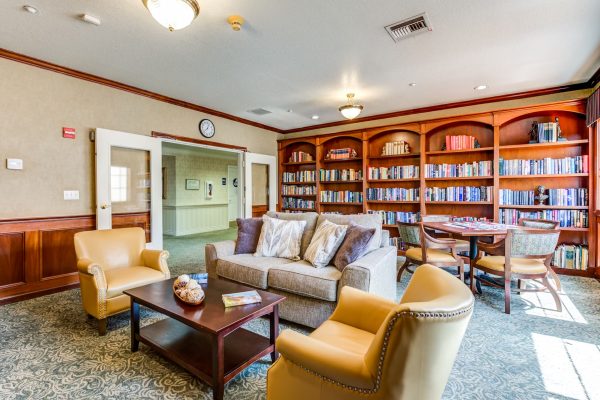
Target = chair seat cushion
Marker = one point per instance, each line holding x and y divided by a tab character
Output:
248	269
120	279
518	265
433	255
344	336
304	279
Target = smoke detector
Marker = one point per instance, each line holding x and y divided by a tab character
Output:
409	27
236	22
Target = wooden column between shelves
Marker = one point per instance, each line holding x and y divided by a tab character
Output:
496	172
365	155
422	162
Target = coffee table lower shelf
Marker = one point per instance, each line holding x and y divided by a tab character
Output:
193	350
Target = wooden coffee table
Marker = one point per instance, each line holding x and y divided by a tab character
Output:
207	340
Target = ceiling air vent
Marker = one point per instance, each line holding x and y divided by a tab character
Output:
259	111
409	27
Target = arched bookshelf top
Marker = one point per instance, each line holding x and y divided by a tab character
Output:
378	142
482	131
299	142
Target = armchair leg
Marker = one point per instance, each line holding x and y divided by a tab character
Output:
461	271
507	296
401	270
553	293
102	324
556	279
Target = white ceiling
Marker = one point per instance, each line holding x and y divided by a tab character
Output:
304	55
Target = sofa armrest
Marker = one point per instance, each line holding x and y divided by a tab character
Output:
324	359
365	311
214	251
385	238
375	272
157	259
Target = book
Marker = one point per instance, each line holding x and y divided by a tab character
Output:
241	298
200	278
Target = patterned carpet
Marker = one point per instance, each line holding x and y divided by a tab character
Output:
49	350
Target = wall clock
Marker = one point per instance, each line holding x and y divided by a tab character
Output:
207	128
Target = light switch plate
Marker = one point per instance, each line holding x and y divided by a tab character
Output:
71	194
14	163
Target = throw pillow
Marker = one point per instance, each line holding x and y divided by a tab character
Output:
248	234
324	243
354	246
280	238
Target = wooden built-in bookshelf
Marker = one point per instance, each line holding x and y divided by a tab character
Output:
500	134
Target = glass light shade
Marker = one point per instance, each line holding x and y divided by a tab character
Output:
351	111
173	14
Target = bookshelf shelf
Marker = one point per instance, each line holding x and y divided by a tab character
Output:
297	209
543	176
301	163
461	178
543	207
501	134
299	195
447	152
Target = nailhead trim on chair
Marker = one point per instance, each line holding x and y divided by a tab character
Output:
388	332
98	274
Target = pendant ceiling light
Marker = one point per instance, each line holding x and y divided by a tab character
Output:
173	14
350	110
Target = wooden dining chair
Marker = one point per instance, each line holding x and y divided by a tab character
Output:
425	249
527	255
462	246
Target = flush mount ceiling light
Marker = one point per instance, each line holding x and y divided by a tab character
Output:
350	110
173	14
480	87
315	117
30	9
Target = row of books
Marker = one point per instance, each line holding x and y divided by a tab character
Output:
342	196
460	142
568	197
545	166
566	218
300	156
547	132
341	154
571	256
475	168
293	202
340	174
395	172
459	193
395	148
393	194
517	197
296	190
299	176
391	217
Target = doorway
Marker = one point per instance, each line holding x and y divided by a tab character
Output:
233	192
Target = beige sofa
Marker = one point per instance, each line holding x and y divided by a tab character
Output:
311	293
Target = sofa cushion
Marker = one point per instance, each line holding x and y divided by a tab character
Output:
303	279
247	269
309	229
354	246
120	279
364	220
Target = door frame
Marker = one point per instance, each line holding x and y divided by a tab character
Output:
229	188
271	162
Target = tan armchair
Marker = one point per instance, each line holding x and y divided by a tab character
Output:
111	261
373	348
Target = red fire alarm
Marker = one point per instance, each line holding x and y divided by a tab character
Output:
69	133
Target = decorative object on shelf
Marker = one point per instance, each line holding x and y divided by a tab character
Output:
300	156
460	142
350	110
546	132
173	14
534	135
341	154
207	128
208	189
541	196
395	148
559	136
188	290
192	184
236	22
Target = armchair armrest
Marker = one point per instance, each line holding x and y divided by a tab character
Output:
214	251
494	249
375	272
89	267
323	359
362	310
157	259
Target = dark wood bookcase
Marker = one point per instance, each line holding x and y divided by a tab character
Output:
501	134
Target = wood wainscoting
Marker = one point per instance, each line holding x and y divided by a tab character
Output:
37	255
259	210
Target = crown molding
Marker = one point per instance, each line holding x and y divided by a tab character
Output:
10	55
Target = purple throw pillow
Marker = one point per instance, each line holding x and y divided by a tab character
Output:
248	235
354	246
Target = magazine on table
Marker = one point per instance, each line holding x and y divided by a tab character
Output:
241	298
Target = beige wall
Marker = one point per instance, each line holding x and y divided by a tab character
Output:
34	106
480	108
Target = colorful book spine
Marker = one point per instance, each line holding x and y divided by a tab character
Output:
288	190
342	196
395	148
395	172
299	176
300	156
328	175
393	194
476	168
568	197
545	166
571	256
293	202
341	154
392	217
566	218
517	197
459	193
460	142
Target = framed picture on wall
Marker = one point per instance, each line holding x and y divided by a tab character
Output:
192	184
208	189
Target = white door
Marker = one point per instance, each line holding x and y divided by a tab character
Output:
128	180
260	182
233	192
